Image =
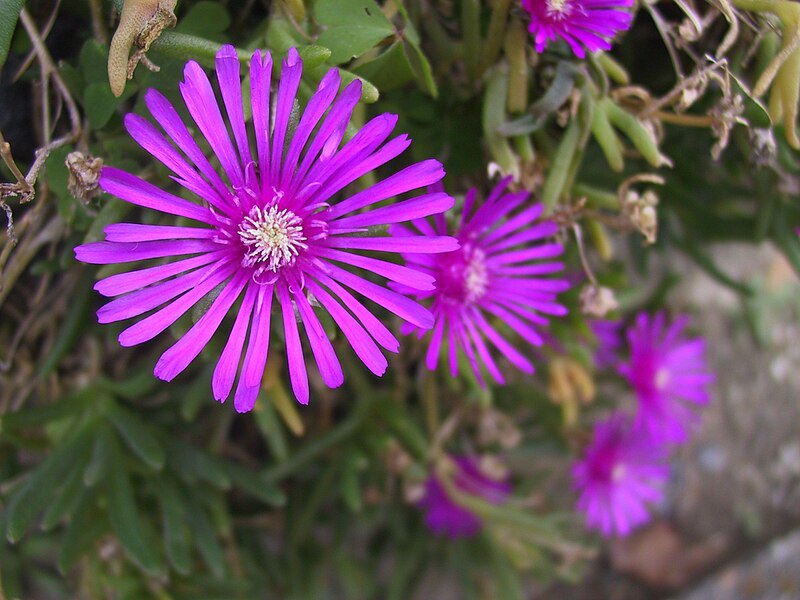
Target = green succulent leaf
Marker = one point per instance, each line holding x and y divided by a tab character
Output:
138	436
350	27
132	531
9	13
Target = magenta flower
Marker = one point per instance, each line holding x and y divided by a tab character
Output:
498	271
272	234
609	342
622	471
669	374
583	24
443	515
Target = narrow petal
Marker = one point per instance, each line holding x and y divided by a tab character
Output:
415	208
329	367
134	232
254	367
528	333
141	301
166	116
186	349
122	283
511	353
107	253
361	342
466	345
338	117
202	104
430	245
294	350
535	253
260	77
148	328
483	352
524	218
230	85
141	193
411	178
371	323
291	70
391	301
400	274
149	138
228	363
432	355
527	235
315	109
255	359
354	159
545	268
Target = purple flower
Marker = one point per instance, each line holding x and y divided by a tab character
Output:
268	232
622	471
443	515
609	342
669	374
498	271
583	24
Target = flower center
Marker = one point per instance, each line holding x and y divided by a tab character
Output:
476	276
272	237
558	8
462	277
661	379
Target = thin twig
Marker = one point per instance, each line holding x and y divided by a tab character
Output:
26	252
32	53
23	187
49	71
8	158
663	30
98	25
576	229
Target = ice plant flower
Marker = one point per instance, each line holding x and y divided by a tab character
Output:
275	236
583	24
500	270
443	515
623	470
609	342
669	373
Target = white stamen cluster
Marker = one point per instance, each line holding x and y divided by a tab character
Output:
476	276
661	379
272	236
558	8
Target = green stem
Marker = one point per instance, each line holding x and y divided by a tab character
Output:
310	451
516	47
494	115
756	5
494	37
524	147
635	132
184	46
595	197
607	138
560	167
471	30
